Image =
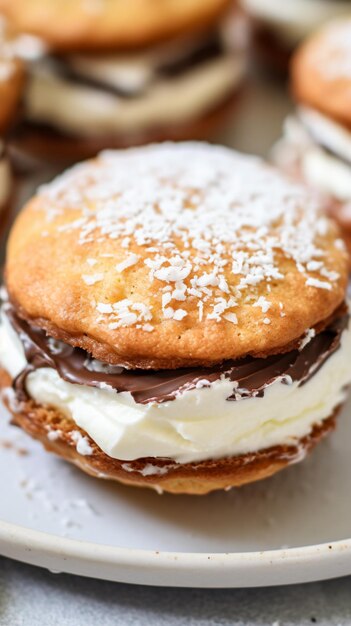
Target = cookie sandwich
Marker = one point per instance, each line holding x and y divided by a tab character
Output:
280	26
12	76
175	318
114	80
316	144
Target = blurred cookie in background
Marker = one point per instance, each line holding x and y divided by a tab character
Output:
280	25
12	79
112	80
316	145
104	24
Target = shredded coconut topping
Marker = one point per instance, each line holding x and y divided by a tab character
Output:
91	279
131	260
309	334
263	303
321	284
210	225
126	313
83	446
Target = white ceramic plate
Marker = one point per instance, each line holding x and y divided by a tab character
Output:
295	527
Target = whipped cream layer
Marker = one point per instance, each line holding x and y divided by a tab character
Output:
128	93
292	20
211	419
321	149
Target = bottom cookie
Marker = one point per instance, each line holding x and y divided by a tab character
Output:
60	435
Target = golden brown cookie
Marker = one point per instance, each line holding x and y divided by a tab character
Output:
172	313
57	288
102	24
321	71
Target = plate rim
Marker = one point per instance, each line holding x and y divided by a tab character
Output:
283	566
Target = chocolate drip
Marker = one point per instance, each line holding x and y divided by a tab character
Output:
249	374
208	49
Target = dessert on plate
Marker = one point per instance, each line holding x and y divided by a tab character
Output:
280	25
316	144
174	317
124	73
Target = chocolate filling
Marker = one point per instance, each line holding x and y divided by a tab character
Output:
250	375
210	48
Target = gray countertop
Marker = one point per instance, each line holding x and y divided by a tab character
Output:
31	596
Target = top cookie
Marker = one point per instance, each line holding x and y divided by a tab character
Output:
321	71
101	24
174	255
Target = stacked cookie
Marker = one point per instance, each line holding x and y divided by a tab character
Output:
12	77
175	318
316	146
123	73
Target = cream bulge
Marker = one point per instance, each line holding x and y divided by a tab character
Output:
322	148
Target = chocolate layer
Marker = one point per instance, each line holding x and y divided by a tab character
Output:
249	375
208	48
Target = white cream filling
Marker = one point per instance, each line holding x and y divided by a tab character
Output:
199	424
327	174
327	132
303	141
292	20
89	111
